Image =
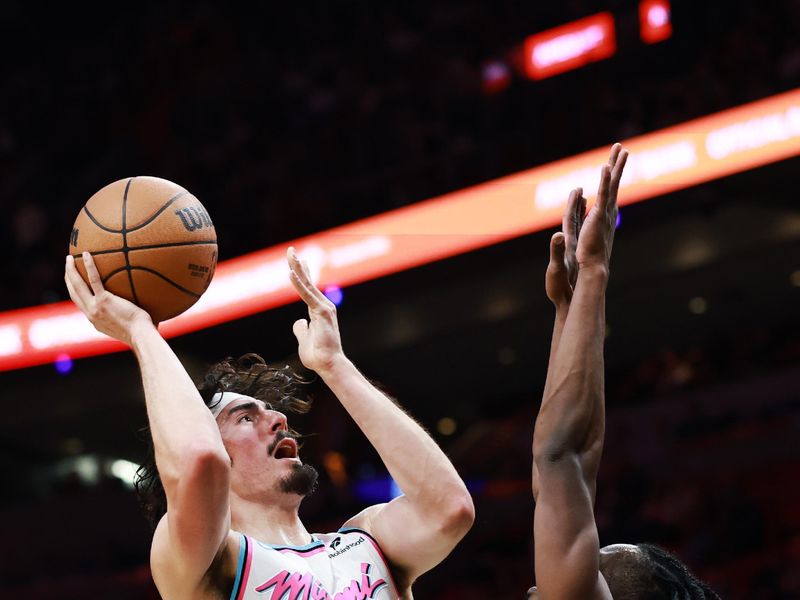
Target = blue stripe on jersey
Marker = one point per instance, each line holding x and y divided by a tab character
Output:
310	546
242	554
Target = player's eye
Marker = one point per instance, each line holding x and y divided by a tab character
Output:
245	418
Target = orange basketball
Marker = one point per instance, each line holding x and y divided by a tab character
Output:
152	241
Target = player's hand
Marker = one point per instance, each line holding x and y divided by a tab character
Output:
562	271
110	314
319	344
597	233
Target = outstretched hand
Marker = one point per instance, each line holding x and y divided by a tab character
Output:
318	340
597	233
110	314
562	271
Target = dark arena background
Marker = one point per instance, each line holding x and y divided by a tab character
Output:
292	119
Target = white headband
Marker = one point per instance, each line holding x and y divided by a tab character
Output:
221	399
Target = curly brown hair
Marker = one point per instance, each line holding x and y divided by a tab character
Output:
282	389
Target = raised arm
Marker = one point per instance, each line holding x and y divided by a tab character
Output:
560	278
191	459
419	529
568	438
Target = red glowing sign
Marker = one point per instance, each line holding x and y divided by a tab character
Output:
570	46
655	21
660	162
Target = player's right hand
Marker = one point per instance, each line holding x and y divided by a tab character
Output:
562	271
110	314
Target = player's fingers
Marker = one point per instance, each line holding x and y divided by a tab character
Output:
300	330
302	290
612	157
75	298
92	273
301	271
79	292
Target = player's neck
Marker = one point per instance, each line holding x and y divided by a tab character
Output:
269	523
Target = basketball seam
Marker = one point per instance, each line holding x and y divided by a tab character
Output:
96	222
167	279
150	247
154	272
159	211
125	239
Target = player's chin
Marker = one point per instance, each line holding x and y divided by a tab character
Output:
301	480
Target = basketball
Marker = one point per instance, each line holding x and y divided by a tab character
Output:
152	241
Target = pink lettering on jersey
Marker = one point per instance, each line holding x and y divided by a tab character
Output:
296	586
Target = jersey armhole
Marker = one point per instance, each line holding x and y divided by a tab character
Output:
242	568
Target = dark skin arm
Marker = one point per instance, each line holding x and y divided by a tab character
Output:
568	439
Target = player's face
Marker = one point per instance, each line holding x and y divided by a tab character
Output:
262	451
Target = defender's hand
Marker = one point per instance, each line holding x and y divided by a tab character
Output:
562	271
597	234
110	314
319	344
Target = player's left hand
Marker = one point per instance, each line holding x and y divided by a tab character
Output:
597	233
319	343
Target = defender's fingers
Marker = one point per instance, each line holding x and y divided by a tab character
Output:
79	292
557	251
568	220
580	211
92	273
616	173
602	191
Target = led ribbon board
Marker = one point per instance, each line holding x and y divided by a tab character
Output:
678	157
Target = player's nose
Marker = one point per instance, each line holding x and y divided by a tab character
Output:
277	422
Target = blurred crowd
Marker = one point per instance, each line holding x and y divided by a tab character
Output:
286	122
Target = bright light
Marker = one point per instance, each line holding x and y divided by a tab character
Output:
657	16
698	305
446	426
63	364
10	340
334	293
655	23
570	46
124	470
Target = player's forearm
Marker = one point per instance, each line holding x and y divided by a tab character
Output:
181	425
422	471
571	416
558	328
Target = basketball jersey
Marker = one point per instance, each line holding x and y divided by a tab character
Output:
346	565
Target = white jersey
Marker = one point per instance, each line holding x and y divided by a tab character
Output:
346	565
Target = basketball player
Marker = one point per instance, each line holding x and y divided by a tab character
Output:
234	481
570	427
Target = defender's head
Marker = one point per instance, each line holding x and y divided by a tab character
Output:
641	571
249	400
646	572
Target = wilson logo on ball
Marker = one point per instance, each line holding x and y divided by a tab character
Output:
194	218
